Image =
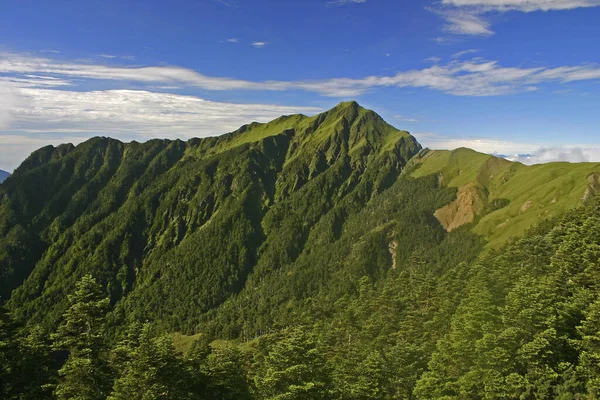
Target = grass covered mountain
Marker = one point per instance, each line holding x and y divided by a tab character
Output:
503	199
3	175
389	266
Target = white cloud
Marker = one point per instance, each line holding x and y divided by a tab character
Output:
125	114
464	53
136	112
484	145
553	154
466	17
475	77
404	119
259	44
465	23
228	3
107	56
232	40
344	2
523	5
433	60
526	153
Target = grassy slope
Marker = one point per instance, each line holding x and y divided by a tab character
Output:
548	189
303	125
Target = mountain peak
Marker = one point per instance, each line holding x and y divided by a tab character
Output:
348	104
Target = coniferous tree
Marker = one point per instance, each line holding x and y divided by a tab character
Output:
590	350
225	375
8	354
295	369
37	365
150	368
85	374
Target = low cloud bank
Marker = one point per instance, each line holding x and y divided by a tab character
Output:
554	154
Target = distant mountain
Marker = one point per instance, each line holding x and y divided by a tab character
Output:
336	232
3	175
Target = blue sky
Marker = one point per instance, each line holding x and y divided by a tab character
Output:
505	76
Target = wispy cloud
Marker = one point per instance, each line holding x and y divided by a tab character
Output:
344	2
464	53
433	60
403	118
468	17
465	23
259	44
228	3
232	40
522	5
112	56
476	77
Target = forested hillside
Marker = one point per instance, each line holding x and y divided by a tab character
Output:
324	257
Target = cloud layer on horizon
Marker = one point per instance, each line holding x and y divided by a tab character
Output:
545	155
525	153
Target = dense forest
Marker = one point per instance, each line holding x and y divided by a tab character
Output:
300	259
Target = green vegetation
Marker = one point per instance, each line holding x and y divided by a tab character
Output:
305	258
528	194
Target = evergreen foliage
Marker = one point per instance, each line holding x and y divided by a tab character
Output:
85	374
304	260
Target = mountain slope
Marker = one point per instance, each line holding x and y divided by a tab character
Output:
504	199
3	175
331	243
236	234
188	219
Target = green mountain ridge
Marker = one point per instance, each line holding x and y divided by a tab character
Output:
502	198
324	257
123	211
134	214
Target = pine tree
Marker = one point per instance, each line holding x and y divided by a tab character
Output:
37	365
151	368
84	376
226	378
296	370
589	356
8	354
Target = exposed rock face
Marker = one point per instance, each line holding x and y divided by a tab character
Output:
526	206
393	245
470	201
593	187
